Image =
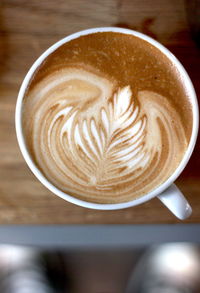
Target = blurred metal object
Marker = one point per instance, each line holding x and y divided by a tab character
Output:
27	270
169	268
193	14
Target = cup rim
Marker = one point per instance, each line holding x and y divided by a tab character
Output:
114	206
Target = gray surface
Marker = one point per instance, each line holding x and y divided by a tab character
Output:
98	235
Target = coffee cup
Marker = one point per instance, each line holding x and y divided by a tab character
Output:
167	192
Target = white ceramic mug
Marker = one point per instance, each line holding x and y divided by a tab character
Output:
168	193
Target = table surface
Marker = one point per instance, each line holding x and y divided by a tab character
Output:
27	28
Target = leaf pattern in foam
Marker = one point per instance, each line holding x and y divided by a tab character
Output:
118	140
126	149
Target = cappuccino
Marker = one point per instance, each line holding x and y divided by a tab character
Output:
106	117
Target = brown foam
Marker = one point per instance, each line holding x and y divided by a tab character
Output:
106	118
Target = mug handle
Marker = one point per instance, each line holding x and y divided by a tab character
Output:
175	201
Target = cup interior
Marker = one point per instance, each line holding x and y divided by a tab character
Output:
159	189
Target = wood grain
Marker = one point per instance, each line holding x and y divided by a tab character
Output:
27	28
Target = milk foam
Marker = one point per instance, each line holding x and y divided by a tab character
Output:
95	140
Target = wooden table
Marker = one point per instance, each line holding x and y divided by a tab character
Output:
27	28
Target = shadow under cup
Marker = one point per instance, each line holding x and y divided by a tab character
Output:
21	140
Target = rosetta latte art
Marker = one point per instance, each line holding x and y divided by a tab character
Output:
96	141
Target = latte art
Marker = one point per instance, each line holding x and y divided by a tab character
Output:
95	140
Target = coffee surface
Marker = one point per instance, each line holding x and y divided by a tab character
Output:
106	117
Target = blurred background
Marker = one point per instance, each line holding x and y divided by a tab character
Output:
27	28
166	268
